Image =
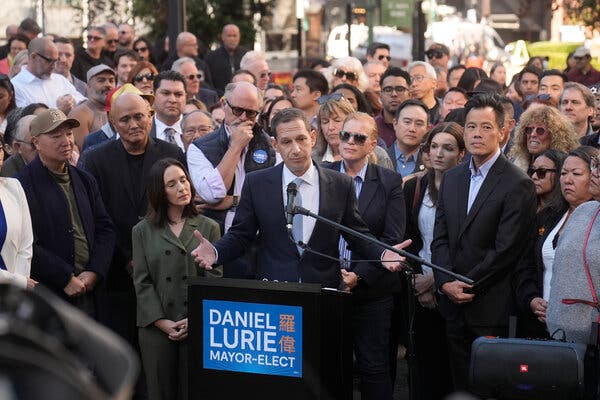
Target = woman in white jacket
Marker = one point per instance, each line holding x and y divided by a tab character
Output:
16	235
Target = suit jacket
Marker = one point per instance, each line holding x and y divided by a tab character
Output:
220	66
162	266
54	246
590	140
487	243
419	166
17	247
12	166
108	164
261	209
381	206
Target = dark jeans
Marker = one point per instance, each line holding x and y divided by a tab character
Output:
371	322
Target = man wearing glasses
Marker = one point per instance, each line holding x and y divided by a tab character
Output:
92	55
187	67
36	83
438	55
423	82
379	52
394	90
219	161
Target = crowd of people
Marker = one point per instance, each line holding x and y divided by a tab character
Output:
137	170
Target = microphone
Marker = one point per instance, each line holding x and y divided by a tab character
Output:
290	208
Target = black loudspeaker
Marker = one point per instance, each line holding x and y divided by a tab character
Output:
50	350
527	369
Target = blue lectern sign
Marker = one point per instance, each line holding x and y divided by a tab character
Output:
252	337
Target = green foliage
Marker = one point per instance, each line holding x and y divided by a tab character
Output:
586	12
206	18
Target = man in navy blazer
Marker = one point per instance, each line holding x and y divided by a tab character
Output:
261	209
73	234
485	213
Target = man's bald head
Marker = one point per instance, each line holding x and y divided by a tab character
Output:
131	117
43	54
39	45
187	45
230	35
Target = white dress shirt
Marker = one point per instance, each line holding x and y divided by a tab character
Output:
426	223
548	253
309	191
208	181
478	176
30	89
161	134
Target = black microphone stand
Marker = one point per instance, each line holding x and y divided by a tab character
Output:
408	271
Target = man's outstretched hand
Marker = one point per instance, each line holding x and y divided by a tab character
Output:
394	261
204	254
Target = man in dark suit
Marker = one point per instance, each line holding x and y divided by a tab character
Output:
485	213
380	203
410	124
261	209
225	60
120	168
74	236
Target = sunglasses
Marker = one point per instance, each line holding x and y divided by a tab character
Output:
238	111
351	76
359	138
141	49
191	77
381	57
397	89
539	130
148	77
92	38
326	97
540	172
264	75
434	54
47	59
112	41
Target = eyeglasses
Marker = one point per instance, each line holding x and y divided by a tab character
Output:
595	166
359	138
351	76
434	54
539	130
112	41
381	57
397	89
24	142
191	77
326	97
200	129
148	77
141	49
47	59
92	38
417	78
238	111
540	172
264	75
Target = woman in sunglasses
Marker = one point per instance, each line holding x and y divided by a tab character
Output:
142	76
535	283
143	48
381	204
348	70
541	128
446	148
545	174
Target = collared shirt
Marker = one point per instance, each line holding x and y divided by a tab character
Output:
162	135
358	180
405	166
386	131
328	155
590	78
308	191
478	176
208	181
30	89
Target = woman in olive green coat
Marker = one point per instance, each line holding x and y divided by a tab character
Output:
162	265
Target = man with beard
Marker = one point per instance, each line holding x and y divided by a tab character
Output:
91	113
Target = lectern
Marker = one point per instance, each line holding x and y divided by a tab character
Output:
268	340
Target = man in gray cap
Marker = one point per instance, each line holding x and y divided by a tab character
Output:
583	72
74	236
91	113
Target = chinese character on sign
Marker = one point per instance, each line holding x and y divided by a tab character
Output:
287	323
287	344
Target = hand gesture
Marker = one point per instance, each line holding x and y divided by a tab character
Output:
539	306
455	292
75	287
65	103
204	254
241	134
31	283
393	261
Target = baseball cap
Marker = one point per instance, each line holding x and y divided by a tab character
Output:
92	72
126	88
581	52
49	120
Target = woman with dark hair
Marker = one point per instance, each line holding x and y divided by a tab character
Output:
162	265
143	48
446	148
498	74
16	44
276	105
570	61
537	62
354	96
470	78
7	100
142	76
535	284
545	174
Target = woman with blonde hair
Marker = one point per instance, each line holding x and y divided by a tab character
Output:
541	128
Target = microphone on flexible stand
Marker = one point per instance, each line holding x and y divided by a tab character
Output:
290	208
